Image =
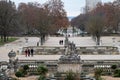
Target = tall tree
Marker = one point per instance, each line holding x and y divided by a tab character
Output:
58	15
45	19
7	18
80	21
96	23
95	27
52	18
29	14
111	14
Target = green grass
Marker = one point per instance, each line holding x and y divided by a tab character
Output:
11	39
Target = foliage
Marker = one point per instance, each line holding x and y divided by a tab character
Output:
117	73
8	19
110	12
19	74
80	21
31	18
22	71
15	79
42	70
25	67
70	76
9	40
46	19
95	26
98	73
41	77
114	67
42	19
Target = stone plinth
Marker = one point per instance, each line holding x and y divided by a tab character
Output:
75	67
69	63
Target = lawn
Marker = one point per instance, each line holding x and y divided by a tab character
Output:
10	39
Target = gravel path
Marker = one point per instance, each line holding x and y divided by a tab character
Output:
110	78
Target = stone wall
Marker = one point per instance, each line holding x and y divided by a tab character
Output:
94	50
76	68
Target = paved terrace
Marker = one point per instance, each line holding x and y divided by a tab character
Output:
53	41
83	57
16	46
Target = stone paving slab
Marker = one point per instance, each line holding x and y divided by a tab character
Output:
110	78
84	41
16	46
56	57
53	41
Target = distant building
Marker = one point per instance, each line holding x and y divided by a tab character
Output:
117	3
91	4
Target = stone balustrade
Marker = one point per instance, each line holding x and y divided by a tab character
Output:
94	50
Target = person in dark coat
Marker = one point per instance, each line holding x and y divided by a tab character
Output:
62	42
37	43
32	51
26	52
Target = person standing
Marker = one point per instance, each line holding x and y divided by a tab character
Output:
32	51
37	43
26	52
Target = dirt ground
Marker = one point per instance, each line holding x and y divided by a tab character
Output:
35	78
27	78
110	78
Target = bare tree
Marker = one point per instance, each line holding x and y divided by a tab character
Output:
95	26
58	15
7	18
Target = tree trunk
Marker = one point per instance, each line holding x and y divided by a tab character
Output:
5	39
41	40
1	38
98	40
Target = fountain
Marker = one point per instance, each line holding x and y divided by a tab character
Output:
70	60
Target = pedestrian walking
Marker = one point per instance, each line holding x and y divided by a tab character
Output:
32	52
26	52
62	42
37	43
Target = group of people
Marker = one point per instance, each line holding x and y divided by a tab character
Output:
29	52
61	42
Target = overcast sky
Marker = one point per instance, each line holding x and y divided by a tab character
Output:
72	7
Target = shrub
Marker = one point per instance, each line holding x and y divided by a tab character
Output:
70	76
117	73
19	74
25	67
113	66
41	77
42	70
